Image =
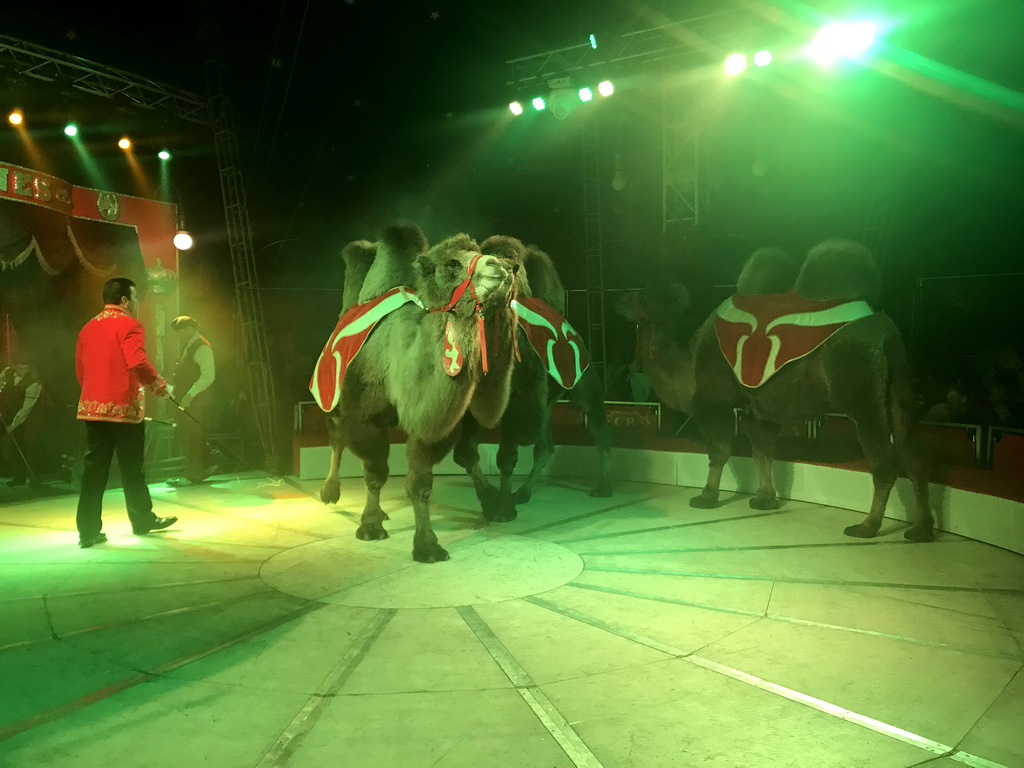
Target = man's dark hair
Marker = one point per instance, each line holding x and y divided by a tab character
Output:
117	288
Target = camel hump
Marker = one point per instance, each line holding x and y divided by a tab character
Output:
768	270
403	240
399	246
839	269
543	277
358	252
504	247
358	256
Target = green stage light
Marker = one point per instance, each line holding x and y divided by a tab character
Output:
539	103
841	40
735	63
605	88
163	154
593	42
70	129
763	58
586	94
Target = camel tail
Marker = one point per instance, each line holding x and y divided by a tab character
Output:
839	269
358	256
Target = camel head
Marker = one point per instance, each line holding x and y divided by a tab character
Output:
445	269
659	314
514	251
655	305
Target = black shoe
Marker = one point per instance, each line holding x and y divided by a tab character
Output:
158	524
99	538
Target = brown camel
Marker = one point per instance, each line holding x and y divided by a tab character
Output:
527	421
399	378
860	370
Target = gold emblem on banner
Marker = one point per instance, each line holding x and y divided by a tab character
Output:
109	206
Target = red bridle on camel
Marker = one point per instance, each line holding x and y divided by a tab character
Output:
460	291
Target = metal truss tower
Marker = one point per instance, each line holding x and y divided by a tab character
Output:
593	245
645	55
29	60
243	262
680	163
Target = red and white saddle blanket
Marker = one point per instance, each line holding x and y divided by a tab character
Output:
352	330
551	336
760	334
554	340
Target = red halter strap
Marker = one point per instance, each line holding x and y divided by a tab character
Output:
457	295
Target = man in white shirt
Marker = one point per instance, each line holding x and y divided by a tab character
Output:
193	374
20	391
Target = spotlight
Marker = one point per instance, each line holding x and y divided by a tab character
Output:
593	42
163	154
605	88
182	240
15	118
516	108
735	63
763	58
841	40
539	103
586	94
70	129
125	143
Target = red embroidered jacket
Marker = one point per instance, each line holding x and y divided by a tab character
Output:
112	368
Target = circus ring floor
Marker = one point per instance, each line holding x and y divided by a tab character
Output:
628	631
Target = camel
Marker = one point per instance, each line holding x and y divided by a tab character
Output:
860	370
527	421
423	366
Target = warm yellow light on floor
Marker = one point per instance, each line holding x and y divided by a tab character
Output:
125	143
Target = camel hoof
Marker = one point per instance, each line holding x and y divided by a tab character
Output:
503	512
522	496
861	531
919	533
761	503
703	502
433	553
371	532
330	492
602	491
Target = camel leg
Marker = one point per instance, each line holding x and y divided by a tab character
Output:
467	456
922	523
543	448
370	443
881	457
717	424
588	396
419	482
763	435
330	491
504	511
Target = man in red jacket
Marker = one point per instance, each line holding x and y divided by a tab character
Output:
112	368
